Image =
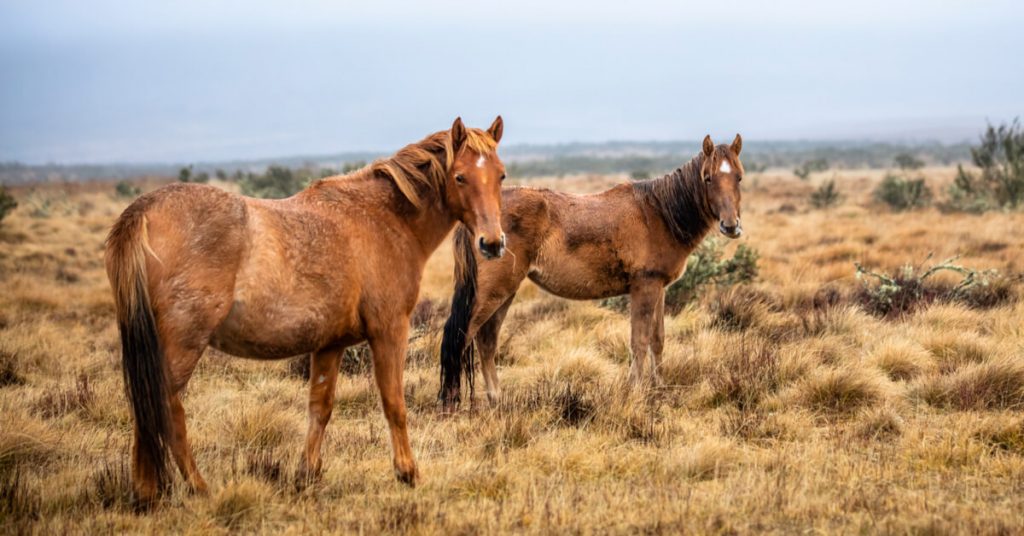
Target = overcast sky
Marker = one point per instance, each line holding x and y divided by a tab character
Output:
194	80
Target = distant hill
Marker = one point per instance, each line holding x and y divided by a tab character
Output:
537	160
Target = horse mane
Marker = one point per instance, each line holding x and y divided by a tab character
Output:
680	198
424	163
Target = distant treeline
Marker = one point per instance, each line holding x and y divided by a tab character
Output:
656	158
636	158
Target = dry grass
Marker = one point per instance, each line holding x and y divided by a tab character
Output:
785	407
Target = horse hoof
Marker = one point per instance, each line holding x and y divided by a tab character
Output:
408	477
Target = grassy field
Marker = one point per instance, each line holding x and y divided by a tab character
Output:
786	406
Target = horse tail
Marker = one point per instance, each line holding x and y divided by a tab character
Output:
142	361
456	351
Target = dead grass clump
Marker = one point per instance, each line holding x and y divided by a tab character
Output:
877	424
298	367
239	504
901	359
59	402
840	390
265	465
508	432
739	309
19	502
574	407
401	517
429	314
746	377
258	426
994	384
25	441
111	485
706	460
954	349
9	369
1003	435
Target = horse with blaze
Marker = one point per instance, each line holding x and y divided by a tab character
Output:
632	239
338	263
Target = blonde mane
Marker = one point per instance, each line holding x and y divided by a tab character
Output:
427	162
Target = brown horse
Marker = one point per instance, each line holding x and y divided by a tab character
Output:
632	239
336	264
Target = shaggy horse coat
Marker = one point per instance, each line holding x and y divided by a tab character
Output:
336	264
632	239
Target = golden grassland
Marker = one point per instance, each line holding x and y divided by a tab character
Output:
804	416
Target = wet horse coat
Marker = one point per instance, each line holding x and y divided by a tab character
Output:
632	239
336	264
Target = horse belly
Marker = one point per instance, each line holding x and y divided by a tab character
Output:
580	282
272	331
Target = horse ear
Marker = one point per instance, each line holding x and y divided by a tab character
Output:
458	134
709	146
737	145
497	127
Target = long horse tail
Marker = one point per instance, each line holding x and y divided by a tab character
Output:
456	350
142	360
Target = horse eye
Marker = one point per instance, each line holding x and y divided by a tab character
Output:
460	179
502	177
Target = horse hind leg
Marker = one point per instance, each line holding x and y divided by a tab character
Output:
181	363
323	377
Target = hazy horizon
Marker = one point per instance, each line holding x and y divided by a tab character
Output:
116	82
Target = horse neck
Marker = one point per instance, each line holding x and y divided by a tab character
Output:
429	224
681	200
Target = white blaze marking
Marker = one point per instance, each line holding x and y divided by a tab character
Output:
321	379
480	161
725	167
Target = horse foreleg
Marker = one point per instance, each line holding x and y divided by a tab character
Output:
323	376
658	338
643	300
388	366
487	342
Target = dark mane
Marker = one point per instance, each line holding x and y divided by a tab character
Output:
680	199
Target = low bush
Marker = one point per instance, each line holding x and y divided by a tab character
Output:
826	196
804	170
7	202
126	189
911	288
277	182
903	193
1000	182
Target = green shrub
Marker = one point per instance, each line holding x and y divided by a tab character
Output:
126	189
7	202
1000	183
826	196
705	268
903	193
908	162
803	171
276	183
639	175
186	174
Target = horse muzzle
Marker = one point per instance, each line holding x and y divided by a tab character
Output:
492	250
732	231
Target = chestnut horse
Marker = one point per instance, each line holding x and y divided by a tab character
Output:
338	263
632	239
